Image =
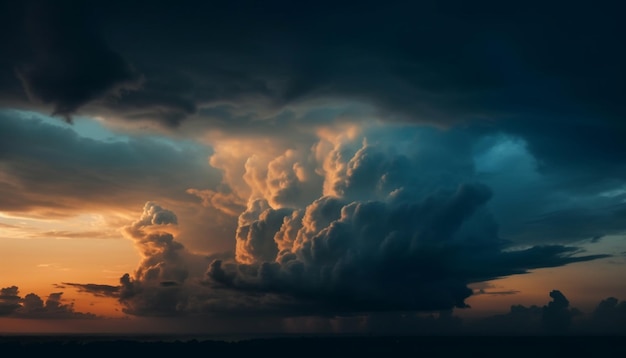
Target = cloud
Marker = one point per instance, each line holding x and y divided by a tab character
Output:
609	316
531	74
160	285
403	225
9	300
69	63
534	205
316	77
224	200
161	253
97	290
582	223
82	173
421	61
381	255
371	219
76	234
368	159
496	293
557	316
32	306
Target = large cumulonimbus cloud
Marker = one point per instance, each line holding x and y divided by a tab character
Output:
393	231
398	254
381	220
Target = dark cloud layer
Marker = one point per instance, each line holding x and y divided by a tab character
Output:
547	73
428	60
82	172
64	60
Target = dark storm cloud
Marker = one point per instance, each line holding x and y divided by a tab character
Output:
551	75
536	205
52	167
548	73
65	62
438	61
32	306
405	228
584	151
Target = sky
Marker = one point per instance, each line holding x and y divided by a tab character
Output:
241	167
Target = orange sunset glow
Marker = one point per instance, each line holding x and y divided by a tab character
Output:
378	168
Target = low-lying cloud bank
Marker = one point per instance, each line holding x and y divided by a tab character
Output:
333	258
33	307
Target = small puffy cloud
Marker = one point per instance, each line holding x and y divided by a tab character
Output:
609	316
9	300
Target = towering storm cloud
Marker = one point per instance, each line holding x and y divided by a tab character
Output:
394	219
154	288
399	228
315	160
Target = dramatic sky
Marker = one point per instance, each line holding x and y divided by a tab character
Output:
277	166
